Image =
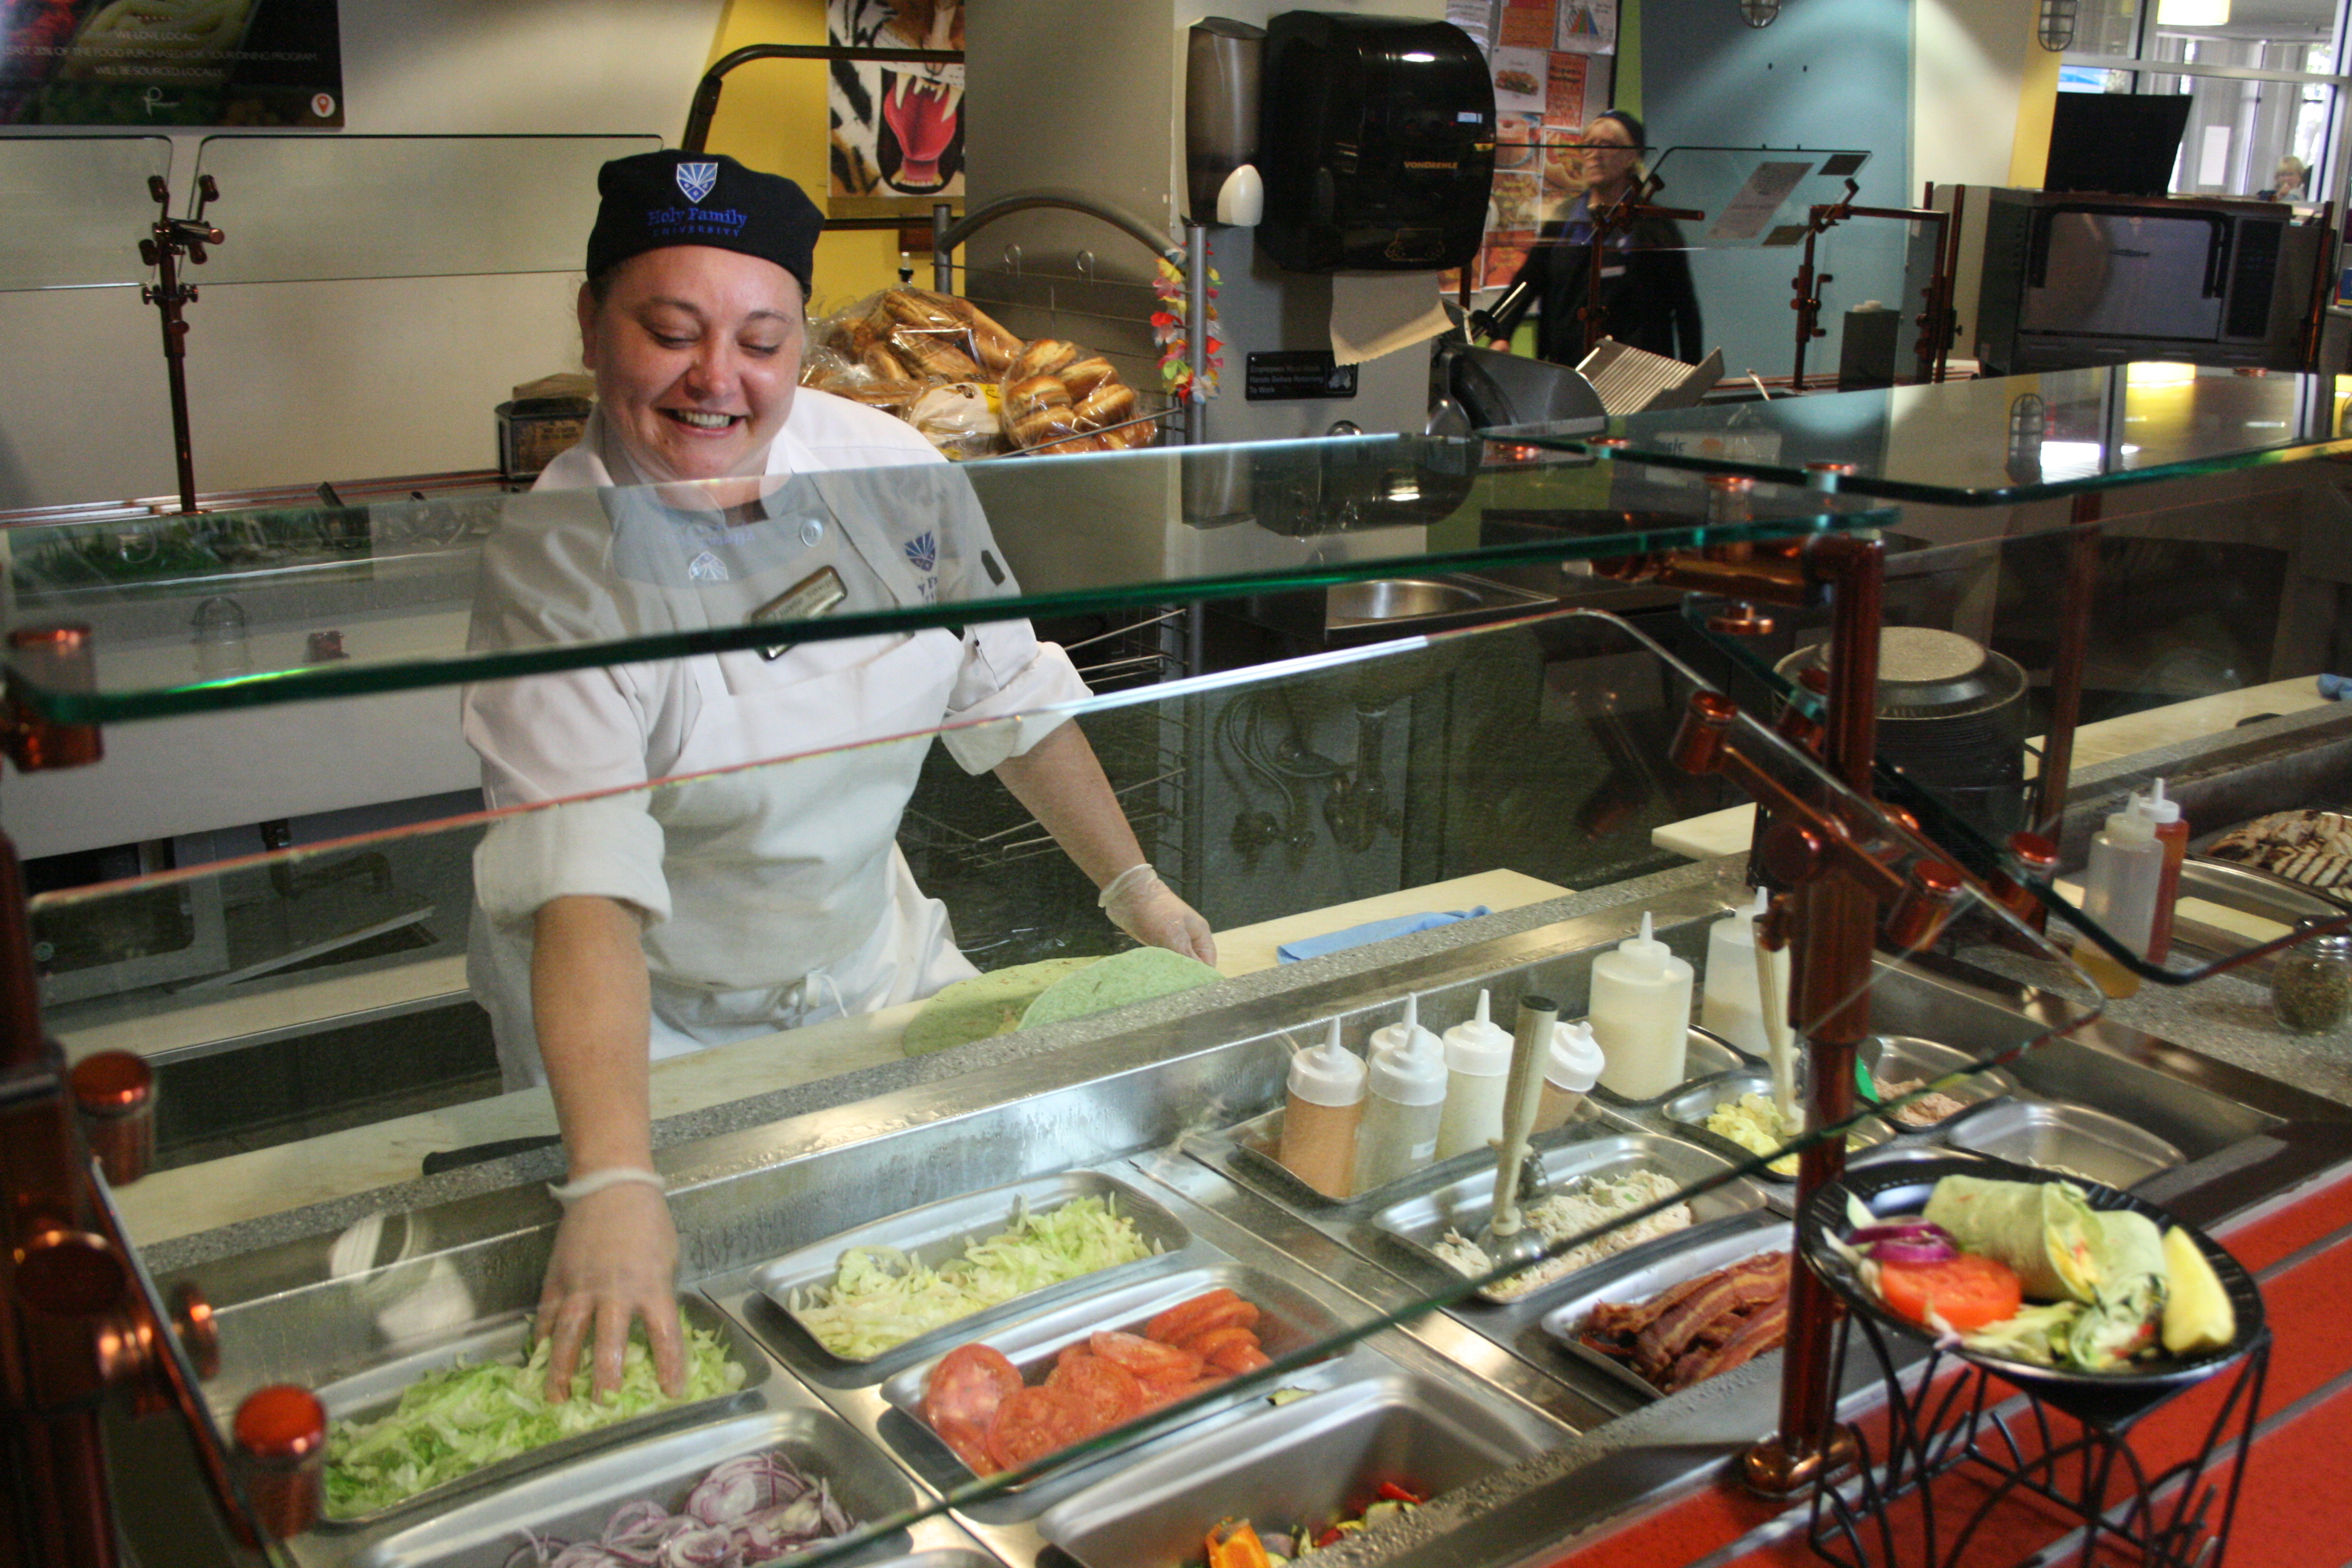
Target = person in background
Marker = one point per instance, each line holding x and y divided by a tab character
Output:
625	923
1645	279
2288	182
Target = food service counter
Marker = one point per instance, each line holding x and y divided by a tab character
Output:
1528	1439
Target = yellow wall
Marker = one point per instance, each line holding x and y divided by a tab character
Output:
772	117
2037	104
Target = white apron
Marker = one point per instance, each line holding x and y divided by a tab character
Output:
781	897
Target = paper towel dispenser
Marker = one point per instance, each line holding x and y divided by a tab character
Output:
1375	142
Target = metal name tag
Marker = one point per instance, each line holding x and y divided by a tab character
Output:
815	597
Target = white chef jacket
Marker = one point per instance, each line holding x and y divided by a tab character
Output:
771	896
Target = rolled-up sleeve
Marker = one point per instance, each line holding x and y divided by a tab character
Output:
1010	677
545	741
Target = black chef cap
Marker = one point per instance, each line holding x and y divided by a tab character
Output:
1631	123
658	199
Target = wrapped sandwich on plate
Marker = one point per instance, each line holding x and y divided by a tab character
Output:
2031	1271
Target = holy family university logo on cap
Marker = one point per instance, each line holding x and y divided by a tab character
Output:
696	179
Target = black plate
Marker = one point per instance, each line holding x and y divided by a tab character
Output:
1903	1187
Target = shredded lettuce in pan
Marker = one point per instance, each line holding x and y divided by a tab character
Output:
883	1298
452	1422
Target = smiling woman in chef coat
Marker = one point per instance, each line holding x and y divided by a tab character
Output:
630	923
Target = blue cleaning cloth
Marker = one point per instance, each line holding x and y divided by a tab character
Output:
1370	931
2335	687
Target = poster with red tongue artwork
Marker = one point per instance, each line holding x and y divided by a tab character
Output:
897	129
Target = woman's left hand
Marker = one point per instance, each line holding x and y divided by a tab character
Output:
1141	905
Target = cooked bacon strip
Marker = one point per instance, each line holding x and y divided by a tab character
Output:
1614	1321
1758	1331
1748	1284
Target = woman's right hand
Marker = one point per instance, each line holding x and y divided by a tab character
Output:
615	1261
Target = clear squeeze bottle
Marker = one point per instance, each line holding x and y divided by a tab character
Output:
1640	1014
2172	832
2119	891
1404	1101
1321	1114
1569	1073
1391	1036
1477	1070
1731	1001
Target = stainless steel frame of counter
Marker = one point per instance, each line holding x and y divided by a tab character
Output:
1094	1095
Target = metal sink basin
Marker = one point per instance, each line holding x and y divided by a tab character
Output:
1396	599
1391	603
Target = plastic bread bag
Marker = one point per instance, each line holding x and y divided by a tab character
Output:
960	419
1061	399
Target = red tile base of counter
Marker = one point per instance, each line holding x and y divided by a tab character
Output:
2293	1511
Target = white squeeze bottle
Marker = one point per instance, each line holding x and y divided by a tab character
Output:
1320	1113
2119	892
1729	999
1569	1073
1390	1036
1477	1071
1403	1102
1640	1014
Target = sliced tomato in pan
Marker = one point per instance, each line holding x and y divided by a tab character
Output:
1030	1425
1147	1359
1104	1392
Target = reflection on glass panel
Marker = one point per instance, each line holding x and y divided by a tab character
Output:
77	207
2260	139
240	608
304	208
2104	27
2002	437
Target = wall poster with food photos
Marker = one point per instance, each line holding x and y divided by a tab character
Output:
898	130
274	63
1552	68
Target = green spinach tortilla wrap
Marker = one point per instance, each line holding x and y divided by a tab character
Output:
2047	1231
2121	1320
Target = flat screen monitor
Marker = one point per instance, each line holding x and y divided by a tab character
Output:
2116	143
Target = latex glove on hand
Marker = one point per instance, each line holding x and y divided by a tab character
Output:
615	1259
1140	904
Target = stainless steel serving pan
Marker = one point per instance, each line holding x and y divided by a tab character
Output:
1632	1280
938	1232
1895	1059
1289	1320
1690	1108
1309	1462
1258	1143
574	1504
369	1394
1417	1225
2063	1138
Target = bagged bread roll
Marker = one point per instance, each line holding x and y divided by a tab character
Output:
1086	377
1113	404
1046	356
936	352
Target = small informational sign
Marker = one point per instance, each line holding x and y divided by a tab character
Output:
275	63
1587	26
1291	374
1758	201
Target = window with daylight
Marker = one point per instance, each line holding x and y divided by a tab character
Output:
2263	77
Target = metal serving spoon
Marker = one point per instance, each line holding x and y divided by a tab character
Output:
1508	1237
